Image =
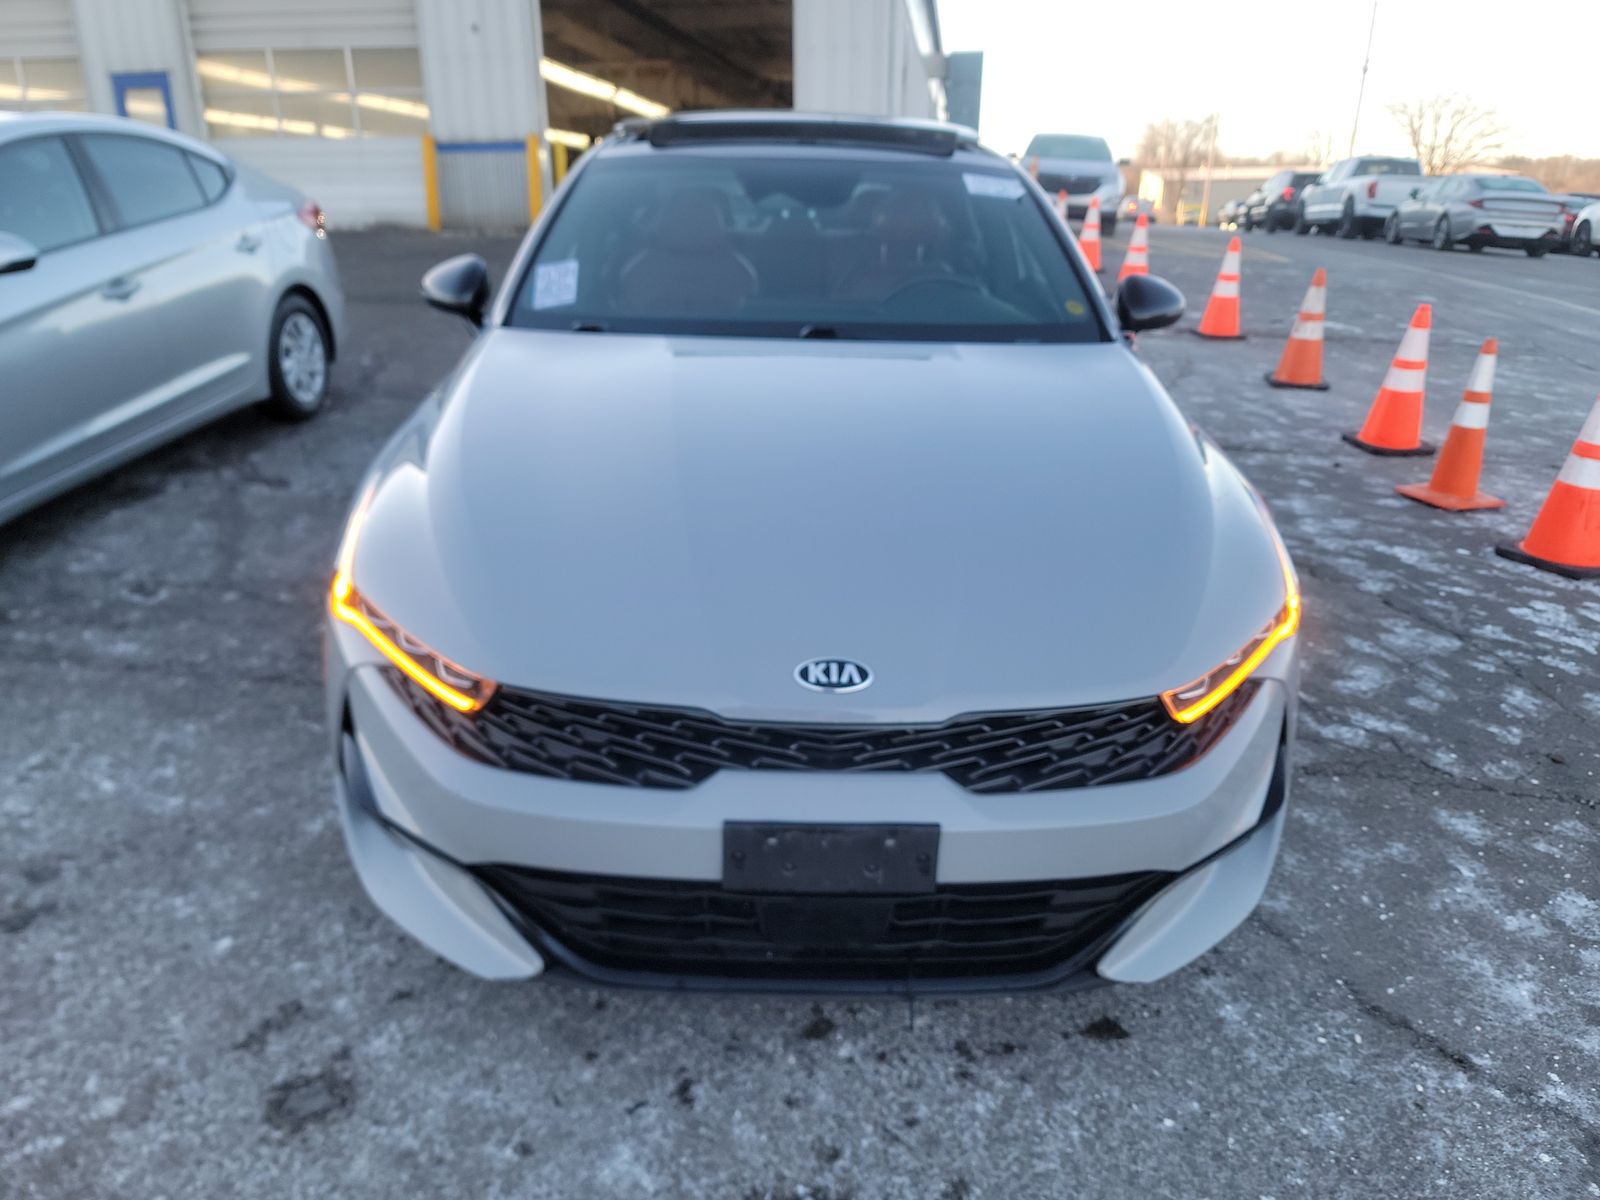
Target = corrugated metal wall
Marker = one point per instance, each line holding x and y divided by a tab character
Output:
357	181
37	27
480	60
138	35
483	189
302	24
861	56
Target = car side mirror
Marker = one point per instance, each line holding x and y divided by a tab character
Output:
16	254
459	285
1124	162
1415	192
1148	302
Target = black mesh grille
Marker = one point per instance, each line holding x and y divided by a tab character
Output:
637	746
683	928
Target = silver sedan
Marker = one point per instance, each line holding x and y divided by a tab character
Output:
1510	211
147	285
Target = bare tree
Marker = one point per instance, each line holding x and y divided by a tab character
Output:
1448	132
1175	148
1319	148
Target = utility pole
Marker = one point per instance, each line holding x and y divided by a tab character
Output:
1211	158
1361	91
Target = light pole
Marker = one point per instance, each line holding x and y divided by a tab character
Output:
1361	91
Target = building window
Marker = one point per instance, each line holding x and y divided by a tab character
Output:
313	93
32	84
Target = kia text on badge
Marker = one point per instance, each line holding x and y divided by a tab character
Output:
832	675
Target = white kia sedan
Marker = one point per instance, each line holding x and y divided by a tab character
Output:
801	584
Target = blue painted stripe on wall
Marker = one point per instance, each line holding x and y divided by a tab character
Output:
479	147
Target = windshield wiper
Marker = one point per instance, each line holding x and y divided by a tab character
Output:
589	327
821	331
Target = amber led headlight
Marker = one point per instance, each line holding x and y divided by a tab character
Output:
446	681
1196	698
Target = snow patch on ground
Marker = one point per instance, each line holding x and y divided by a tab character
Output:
1557	623
1468	826
1364	679
1577	912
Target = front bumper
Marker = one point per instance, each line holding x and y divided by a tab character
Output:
441	842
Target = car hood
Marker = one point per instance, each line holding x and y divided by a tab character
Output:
686	520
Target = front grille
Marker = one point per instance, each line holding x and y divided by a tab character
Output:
1073	185
603	924
632	745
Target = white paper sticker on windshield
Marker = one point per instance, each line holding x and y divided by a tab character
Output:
555	283
1002	187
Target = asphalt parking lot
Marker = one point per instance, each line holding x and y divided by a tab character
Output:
196	998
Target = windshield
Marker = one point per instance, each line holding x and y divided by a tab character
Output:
809	244
1069	145
1388	166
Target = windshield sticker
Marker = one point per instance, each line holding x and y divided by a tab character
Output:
555	284
1001	187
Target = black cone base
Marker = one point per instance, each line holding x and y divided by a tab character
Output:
1419	451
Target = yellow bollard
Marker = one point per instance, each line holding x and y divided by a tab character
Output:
430	179
535	179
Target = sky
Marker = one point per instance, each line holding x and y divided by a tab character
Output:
1279	73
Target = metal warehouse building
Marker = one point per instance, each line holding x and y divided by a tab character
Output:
454	112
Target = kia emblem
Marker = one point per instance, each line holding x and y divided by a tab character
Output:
832	675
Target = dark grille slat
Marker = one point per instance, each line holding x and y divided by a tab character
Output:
695	928
632	746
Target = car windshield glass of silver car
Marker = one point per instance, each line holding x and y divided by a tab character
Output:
1387	166
1511	183
1068	145
806	244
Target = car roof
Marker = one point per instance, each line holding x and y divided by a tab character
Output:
780	126
14	125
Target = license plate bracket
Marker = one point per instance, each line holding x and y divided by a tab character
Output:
817	859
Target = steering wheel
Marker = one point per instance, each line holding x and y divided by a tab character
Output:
960	282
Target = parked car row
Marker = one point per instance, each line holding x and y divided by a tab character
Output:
1371	196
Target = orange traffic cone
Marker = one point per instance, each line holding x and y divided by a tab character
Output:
1033	166
1301	364
1089	243
1137	260
1061	203
1455	479
1221	319
1394	423
1565	537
